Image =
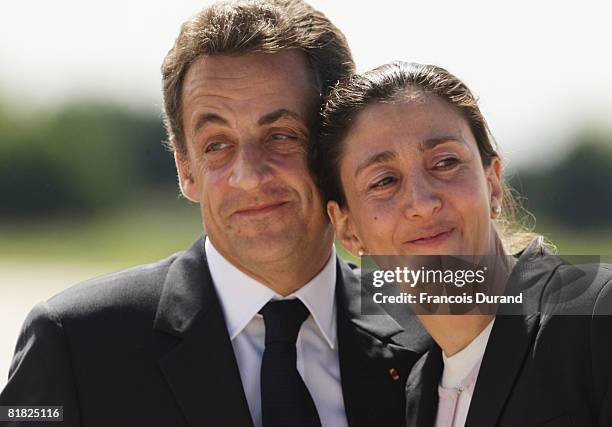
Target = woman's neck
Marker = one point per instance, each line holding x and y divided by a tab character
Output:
455	332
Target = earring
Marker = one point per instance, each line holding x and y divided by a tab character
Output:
360	252
496	211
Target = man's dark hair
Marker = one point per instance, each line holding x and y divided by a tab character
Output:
245	26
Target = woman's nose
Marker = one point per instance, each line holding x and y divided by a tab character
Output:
421	200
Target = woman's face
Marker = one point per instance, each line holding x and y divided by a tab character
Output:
414	182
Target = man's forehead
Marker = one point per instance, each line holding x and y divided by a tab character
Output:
253	83
250	72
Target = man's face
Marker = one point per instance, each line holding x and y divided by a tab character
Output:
247	122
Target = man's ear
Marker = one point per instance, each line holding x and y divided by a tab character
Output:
344	228
494	179
187	183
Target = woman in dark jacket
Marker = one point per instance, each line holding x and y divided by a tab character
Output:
408	167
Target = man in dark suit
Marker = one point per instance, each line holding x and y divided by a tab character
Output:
258	323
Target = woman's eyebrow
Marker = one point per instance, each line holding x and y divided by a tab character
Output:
381	157
431	143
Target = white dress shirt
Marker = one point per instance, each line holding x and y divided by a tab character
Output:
459	379
242	297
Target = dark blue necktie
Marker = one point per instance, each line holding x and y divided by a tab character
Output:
285	400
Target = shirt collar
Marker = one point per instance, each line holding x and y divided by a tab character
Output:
242	297
458	366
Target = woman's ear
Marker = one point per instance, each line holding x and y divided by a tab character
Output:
344	228
187	184
494	179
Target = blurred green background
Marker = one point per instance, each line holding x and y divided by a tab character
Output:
91	182
88	188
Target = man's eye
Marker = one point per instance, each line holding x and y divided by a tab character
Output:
384	182
216	146
446	164
281	137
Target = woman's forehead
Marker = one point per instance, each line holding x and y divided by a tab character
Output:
409	120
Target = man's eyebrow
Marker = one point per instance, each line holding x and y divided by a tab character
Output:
382	157
431	143
206	118
279	114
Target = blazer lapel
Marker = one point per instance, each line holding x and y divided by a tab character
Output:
504	356
422	389
201	370
512	335
506	351
373	364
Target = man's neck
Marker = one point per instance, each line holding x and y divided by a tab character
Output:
289	273
285	279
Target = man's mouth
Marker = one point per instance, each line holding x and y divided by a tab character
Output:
259	209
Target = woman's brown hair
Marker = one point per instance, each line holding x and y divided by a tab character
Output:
389	83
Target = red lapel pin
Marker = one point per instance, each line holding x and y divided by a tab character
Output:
394	374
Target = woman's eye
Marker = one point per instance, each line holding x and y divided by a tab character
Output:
447	163
384	182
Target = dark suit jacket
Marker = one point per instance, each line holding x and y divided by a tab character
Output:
149	347
552	367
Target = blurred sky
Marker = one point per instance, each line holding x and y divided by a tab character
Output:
541	68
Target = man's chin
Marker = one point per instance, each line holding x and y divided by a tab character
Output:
267	247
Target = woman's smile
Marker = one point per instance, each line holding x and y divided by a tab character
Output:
433	237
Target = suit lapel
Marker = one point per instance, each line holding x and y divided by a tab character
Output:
512	335
422	389
373	365
511	338
201	370
506	351
504	356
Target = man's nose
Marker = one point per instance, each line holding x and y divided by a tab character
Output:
251	168
421	199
